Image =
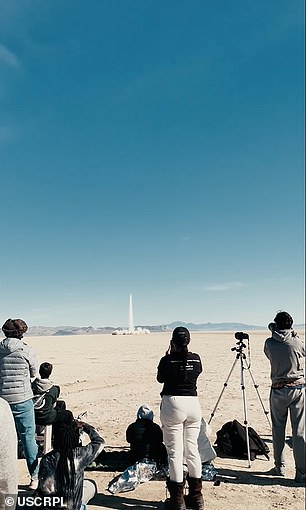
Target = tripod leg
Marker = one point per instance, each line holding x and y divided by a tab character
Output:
245	411
260	399
223	389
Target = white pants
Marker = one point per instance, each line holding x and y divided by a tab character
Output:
181	419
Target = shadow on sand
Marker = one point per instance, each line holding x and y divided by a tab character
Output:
120	502
237	477
104	501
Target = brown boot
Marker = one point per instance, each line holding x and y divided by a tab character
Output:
194	498
176	500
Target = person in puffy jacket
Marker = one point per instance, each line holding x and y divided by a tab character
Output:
285	351
18	364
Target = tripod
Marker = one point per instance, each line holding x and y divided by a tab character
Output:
240	345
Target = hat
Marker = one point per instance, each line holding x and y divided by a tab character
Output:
14	328
145	413
181	336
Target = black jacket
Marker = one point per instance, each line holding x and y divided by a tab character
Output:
179	379
146	441
45	397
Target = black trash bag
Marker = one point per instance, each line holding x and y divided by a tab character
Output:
232	441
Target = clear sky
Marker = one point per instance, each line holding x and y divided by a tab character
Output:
152	147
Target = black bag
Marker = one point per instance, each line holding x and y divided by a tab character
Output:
231	440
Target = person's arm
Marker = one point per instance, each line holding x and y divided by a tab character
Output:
54	393
200	366
128	434
59	390
89	452
161	370
302	348
32	361
45	475
266	349
158	433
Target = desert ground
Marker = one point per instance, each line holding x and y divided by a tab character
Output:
111	376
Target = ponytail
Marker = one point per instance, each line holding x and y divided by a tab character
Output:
184	352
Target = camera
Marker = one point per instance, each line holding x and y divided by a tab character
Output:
239	335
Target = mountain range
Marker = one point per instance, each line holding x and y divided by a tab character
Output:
89	330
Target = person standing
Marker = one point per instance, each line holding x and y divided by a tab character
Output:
285	351
18	363
180	416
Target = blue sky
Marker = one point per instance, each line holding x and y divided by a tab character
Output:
153	148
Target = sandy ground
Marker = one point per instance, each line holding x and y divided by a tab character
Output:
110	376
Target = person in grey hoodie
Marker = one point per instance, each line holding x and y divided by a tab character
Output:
286	351
8	457
47	408
18	364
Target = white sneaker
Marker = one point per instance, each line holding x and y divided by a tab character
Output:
33	484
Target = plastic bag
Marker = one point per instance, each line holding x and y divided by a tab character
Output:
209	472
140	472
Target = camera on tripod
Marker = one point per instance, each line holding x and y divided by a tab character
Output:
240	336
245	365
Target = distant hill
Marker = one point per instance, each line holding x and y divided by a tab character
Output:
89	330
67	330
215	326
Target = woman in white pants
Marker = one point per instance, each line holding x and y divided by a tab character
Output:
180	415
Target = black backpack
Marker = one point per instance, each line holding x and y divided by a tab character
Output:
231	440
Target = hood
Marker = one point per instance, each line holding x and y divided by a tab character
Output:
9	345
281	335
145	413
41	385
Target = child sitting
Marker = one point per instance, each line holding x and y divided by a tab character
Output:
48	409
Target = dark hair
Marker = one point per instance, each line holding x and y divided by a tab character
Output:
181	338
14	328
66	438
45	370
283	320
